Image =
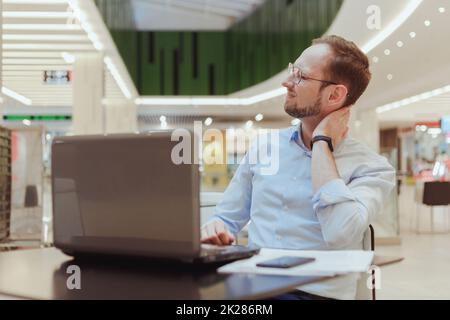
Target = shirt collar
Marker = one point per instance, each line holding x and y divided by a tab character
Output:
296	137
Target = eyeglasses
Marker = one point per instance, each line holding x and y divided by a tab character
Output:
296	75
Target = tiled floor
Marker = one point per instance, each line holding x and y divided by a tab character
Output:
425	272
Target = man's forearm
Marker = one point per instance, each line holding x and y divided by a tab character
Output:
323	165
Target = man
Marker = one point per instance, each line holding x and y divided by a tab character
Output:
329	187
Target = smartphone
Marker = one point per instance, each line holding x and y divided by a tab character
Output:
285	262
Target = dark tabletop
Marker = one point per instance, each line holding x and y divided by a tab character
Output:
42	274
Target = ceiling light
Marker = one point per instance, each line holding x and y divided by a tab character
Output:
387	52
162	118
68	58
412	34
30	61
32	54
37	14
259	117
193	101
42	27
413	99
427	23
264	96
14	95
115	73
399	44
295	122
46	46
45	37
441	9
390	76
163	125
208	121
98	46
34	1
26	122
248	124
375	59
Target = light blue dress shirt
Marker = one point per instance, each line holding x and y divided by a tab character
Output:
283	211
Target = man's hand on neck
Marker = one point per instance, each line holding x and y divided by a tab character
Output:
323	165
334	125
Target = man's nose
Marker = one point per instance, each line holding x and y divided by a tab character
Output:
288	84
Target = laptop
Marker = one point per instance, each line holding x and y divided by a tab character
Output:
124	194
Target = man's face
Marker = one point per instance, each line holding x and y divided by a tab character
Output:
306	99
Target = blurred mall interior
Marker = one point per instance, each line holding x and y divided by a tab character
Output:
76	67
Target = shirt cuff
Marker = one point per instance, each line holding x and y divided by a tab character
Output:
331	193
230	227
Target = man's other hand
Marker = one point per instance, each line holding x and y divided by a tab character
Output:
215	232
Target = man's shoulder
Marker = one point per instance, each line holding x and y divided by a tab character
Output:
358	151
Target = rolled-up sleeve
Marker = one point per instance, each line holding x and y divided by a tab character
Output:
345	210
234	208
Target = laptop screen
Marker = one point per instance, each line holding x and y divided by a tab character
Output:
123	187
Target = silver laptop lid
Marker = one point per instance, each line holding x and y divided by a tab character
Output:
123	194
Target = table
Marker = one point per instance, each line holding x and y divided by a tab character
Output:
42	274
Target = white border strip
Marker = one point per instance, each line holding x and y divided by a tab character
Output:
14	95
413	99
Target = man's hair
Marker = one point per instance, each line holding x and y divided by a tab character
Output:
349	66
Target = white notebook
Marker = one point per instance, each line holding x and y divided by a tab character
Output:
327	263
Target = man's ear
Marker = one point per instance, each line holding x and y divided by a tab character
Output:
337	96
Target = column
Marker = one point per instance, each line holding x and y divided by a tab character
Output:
120	116
87	89
365	128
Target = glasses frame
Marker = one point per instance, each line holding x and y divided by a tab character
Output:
291	68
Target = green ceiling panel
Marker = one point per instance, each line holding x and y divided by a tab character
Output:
202	63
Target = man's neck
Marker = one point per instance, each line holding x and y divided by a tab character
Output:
307	128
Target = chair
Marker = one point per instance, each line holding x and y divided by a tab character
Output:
435	193
362	292
31	196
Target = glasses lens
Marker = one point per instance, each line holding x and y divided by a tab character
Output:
294	73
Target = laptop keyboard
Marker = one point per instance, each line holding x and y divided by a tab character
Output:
208	249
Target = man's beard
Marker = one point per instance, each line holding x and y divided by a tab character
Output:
308	111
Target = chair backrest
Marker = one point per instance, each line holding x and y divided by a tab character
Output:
436	193
31	196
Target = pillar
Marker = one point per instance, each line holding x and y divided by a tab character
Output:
87	89
120	116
